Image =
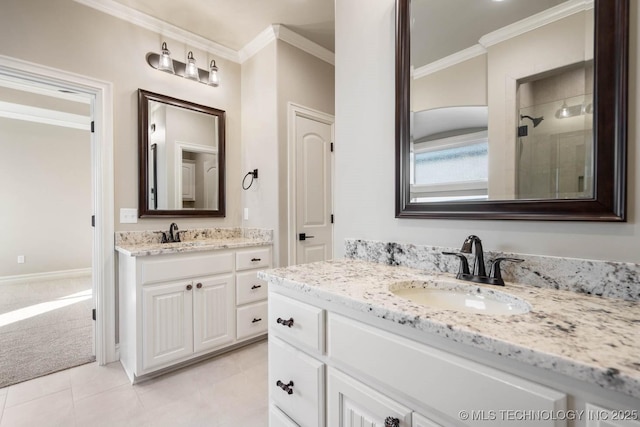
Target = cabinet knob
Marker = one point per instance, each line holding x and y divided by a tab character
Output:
391	422
256	320
286	387
283	322
199	285
256	286
189	287
255	259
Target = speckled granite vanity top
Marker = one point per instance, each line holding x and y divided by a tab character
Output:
145	243
589	338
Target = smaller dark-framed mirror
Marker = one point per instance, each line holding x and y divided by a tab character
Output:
181	147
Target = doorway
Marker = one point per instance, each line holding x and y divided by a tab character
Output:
34	80
310	185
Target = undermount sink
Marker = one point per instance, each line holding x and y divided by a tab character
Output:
459	297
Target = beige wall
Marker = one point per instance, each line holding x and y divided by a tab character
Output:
45	176
277	75
304	80
464	83
365	168
260	138
67	35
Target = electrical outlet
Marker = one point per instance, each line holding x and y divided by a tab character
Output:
20	259
246	214
128	216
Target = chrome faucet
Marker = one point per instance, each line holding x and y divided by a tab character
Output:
479	274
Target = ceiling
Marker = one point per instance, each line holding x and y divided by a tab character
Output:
234	23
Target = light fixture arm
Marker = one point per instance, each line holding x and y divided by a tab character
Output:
153	59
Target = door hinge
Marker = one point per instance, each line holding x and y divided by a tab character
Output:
93	314
93	126
93	220
331	218
331	147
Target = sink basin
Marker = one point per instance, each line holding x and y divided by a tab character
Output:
459	297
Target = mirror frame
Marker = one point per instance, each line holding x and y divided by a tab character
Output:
609	127
143	137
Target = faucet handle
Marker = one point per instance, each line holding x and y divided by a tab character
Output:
464	263
495	272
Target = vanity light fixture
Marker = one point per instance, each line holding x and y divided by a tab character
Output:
214	80
190	70
165	63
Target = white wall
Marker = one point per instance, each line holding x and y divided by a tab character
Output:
45	194
365	194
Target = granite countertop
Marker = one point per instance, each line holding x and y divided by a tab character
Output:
589	338
145	243
188	246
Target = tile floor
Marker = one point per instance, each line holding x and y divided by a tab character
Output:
225	391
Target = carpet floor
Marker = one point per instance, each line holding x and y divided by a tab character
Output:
45	327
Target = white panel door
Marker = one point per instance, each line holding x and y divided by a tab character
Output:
167	321
313	191
353	404
213	312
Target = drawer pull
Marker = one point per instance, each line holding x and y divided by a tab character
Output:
283	322
189	287
391	422
256	320
256	286
255	259
286	387
199	285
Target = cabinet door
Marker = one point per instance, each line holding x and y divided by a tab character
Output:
352	404
213	313
167	318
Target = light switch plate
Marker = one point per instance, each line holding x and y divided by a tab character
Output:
246	214
128	216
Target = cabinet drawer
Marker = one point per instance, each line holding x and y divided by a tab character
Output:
251	320
249	288
305	375
296	322
455	383
161	268
254	258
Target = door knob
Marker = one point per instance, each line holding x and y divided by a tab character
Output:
303	236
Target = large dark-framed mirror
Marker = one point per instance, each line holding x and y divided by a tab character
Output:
181	154
594	190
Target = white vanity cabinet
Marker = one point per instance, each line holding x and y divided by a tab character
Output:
177	307
296	373
370	375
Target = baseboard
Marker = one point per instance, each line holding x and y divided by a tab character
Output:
49	275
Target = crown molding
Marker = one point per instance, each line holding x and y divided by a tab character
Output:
286	35
272	32
257	44
505	33
163	28
535	21
448	61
